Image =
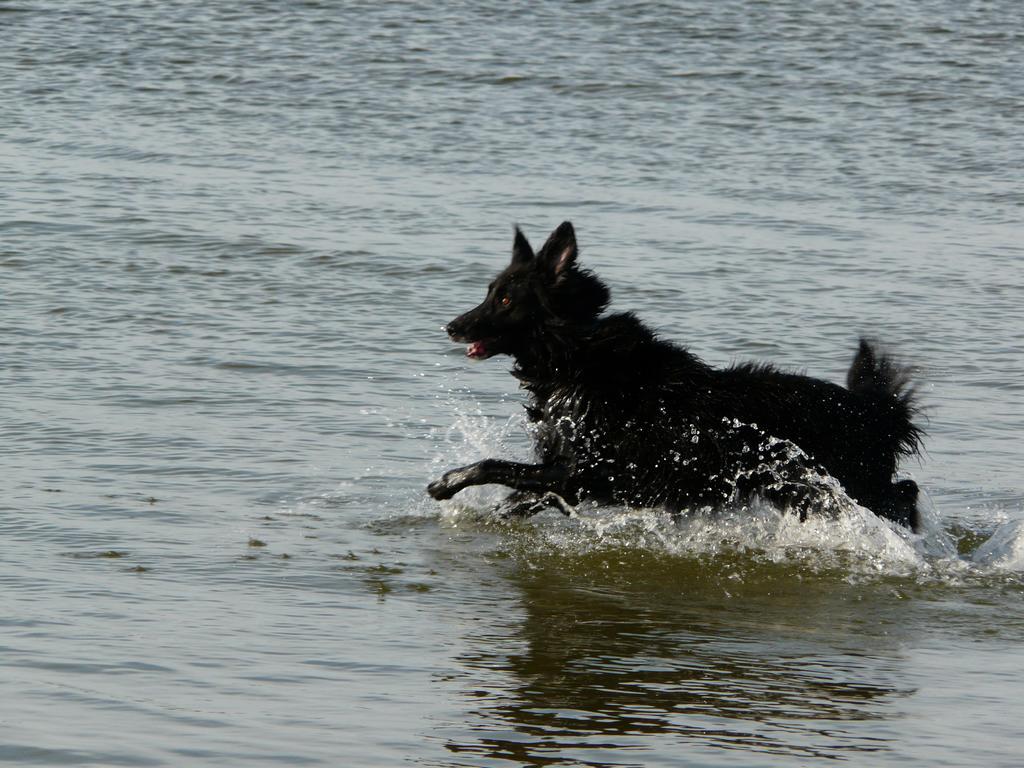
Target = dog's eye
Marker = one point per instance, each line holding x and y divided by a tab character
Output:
505	301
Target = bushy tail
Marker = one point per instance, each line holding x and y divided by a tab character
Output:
875	374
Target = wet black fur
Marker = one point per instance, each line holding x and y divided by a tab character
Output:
622	416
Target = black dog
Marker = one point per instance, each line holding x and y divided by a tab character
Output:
623	417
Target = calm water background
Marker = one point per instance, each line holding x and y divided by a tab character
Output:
230	234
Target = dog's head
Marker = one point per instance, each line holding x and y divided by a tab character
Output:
536	292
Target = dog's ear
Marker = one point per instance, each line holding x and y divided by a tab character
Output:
559	252
522	253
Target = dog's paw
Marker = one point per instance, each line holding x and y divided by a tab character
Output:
519	507
446	486
451	482
554	500
441	490
526	504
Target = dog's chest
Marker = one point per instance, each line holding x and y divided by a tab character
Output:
570	421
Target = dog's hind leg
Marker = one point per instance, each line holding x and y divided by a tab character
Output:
901	506
539	478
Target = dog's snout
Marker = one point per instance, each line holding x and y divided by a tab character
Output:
464	325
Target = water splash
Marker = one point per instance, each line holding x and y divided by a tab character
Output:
1004	549
843	536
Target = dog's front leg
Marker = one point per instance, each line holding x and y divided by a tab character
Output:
527	504
539	478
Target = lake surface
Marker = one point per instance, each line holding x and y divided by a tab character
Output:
230	236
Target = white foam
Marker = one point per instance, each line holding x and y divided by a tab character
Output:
853	538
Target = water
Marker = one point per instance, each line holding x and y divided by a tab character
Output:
230	234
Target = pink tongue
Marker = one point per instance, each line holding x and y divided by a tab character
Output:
476	349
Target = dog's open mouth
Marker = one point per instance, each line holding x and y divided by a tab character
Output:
478	350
